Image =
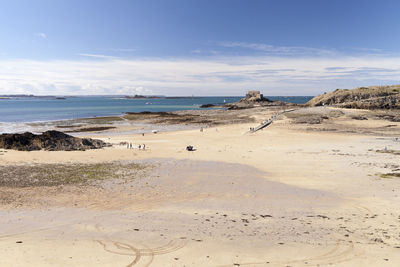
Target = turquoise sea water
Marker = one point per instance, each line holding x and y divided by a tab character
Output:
49	109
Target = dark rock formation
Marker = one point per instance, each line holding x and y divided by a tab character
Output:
50	140
91	129
207	106
373	97
360	118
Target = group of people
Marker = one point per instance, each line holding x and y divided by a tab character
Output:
140	146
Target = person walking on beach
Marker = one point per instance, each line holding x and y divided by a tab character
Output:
130	145
144	146
140	146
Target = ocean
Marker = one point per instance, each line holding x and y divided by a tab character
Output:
33	109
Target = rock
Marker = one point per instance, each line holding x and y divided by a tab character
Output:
373	97
254	99
207	106
50	140
91	129
360	118
254	96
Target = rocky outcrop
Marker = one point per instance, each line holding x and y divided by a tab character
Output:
373	97
254	99
50	140
254	96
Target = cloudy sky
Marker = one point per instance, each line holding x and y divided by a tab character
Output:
193	47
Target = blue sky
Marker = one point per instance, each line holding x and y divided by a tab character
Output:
219	47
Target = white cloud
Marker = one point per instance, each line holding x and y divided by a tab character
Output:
119	49
41	35
97	56
216	76
204	52
279	50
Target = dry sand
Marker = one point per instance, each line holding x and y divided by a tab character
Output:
290	195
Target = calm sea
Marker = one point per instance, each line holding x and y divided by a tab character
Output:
49	109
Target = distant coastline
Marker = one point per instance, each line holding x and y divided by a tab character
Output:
31	96
11	96
143	97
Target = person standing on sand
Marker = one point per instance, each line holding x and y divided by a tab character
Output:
139	146
144	146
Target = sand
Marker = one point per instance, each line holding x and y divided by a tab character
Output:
290	195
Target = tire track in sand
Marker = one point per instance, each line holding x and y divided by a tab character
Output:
125	249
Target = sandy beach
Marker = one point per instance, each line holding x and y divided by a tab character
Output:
199	133
296	193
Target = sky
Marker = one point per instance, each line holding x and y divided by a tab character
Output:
197	47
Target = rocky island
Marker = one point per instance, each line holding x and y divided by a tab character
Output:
254	99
